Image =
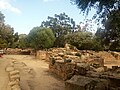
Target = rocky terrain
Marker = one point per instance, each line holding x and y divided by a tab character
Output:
28	73
60	69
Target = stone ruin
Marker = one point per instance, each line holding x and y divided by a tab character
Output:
17	51
115	54
19	76
82	70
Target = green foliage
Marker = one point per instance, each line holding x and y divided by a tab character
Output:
108	11
100	5
110	36
7	36
61	25
23	42
83	40
40	38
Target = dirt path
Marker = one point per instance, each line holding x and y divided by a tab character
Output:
37	78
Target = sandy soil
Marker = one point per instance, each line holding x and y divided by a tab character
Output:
3	74
34	74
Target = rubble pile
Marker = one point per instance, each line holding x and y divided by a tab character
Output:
83	70
66	62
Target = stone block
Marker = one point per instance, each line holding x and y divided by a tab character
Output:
86	83
82	68
9	69
14	77
14	72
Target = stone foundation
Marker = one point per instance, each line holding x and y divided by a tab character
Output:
14	77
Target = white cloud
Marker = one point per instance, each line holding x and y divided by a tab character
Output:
48	0
5	5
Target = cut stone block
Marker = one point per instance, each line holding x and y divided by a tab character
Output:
86	83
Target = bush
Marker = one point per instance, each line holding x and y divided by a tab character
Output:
41	38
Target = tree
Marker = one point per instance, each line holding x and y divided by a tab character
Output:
102	6
23	41
41	38
7	36
60	24
111	33
83	40
108	11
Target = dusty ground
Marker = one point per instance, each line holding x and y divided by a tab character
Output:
34	74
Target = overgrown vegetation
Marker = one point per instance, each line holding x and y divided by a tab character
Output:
61	29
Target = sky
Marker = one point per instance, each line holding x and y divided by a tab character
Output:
23	15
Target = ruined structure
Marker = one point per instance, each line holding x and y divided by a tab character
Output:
82	70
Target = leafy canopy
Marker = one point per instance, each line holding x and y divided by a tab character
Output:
7	35
103	7
60	24
40	38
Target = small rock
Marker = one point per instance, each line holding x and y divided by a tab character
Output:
61	54
12	83
13	61
9	69
14	72
100	69
16	87
11	64
67	60
14	77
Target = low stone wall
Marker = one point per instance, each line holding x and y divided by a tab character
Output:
83	70
63	70
14	77
66	69
16	51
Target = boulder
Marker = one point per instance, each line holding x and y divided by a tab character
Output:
86	83
82	68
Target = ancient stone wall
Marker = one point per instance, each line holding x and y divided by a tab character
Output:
66	63
14	77
17	51
83	70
